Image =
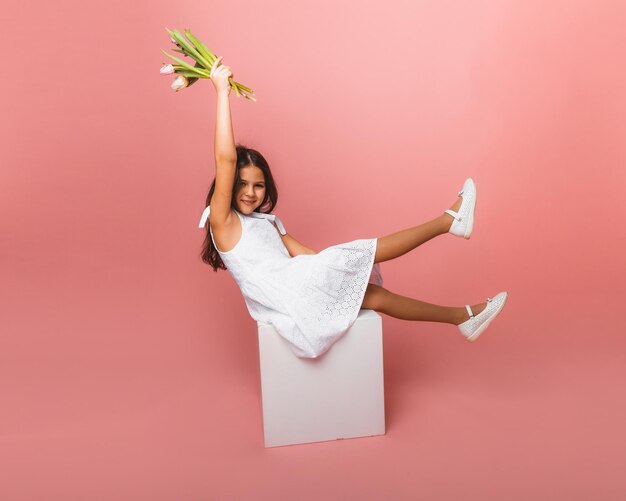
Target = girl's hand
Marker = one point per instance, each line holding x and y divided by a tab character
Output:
219	76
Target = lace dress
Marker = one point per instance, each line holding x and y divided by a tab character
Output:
310	299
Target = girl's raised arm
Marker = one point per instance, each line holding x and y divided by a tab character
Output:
225	151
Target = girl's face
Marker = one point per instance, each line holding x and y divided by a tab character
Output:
251	189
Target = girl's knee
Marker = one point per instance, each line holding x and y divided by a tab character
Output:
374	297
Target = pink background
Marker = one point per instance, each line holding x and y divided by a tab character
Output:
129	370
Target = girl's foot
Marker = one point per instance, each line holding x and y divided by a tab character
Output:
461	214
455	207
478	322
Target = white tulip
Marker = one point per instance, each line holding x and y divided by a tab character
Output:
166	69
180	82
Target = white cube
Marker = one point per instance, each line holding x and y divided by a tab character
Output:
338	395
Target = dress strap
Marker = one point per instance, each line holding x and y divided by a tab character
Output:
272	217
258	215
205	216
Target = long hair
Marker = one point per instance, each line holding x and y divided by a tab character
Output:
245	157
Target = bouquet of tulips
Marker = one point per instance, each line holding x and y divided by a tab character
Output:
204	58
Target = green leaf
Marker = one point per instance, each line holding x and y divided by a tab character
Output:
197	72
173	35
188	66
175	38
190	74
181	47
193	52
242	86
204	47
209	56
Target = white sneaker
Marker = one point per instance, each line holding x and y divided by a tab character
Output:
464	219
475	325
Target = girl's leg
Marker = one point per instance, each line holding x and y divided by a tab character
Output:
383	301
397	244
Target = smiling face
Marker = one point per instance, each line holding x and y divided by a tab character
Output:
251	189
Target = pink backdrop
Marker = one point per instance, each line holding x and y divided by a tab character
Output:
129	370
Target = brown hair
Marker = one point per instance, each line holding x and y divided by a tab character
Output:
246	157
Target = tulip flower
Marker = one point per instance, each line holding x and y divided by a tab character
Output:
180	82
204	60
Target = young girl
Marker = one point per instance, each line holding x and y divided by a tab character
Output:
312	298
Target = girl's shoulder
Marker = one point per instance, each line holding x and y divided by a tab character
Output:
228	234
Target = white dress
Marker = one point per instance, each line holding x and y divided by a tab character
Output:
310	299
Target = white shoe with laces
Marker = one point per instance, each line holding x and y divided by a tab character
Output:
476	324
464	219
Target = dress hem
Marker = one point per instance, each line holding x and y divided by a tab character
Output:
371	266
356	312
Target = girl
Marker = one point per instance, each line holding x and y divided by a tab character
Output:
312	298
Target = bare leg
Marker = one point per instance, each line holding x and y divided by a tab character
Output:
383	301
401	242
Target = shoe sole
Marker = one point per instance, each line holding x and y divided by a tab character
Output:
482	328
470	223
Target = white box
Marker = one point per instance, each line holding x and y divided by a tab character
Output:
338	395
